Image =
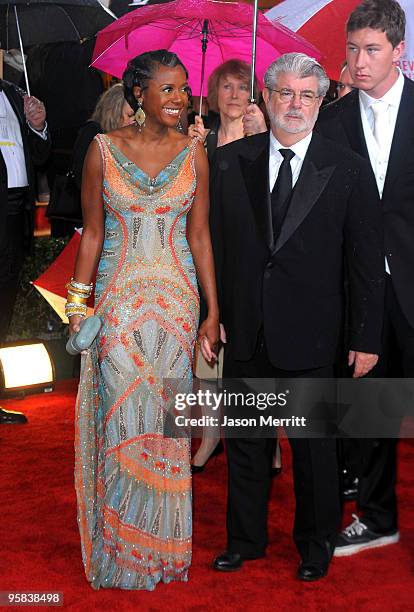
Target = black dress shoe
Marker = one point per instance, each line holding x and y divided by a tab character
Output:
228	562
9	417
309	572
197	469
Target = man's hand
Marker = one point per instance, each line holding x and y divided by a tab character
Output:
35	113
363	362
254	121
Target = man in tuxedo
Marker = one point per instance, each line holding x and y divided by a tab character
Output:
376	121
23	143
286	208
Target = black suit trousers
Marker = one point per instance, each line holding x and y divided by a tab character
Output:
377	457
315	472
12	254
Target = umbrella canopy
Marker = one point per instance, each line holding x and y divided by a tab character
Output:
177	26
319	21
49	21
323	23
52	283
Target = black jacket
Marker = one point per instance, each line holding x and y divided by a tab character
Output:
294	289
84	138
36	151
341	121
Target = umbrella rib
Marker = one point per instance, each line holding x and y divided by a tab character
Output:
216	39
195	27
181	25
7	27
69	19
106	50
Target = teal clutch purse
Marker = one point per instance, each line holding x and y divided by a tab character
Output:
83	339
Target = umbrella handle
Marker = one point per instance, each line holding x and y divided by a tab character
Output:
204	42
254	32
21	51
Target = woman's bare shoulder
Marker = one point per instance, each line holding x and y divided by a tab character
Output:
127	133
179	137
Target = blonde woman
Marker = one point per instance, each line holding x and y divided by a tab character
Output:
112	111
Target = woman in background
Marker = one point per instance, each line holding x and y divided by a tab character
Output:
111	112
233	117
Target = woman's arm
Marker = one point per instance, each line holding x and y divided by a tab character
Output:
198	235
90	247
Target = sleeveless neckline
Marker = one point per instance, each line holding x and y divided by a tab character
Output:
151	180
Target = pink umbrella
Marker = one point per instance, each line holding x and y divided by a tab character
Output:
178	25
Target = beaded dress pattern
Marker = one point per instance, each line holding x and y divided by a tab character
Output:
133	484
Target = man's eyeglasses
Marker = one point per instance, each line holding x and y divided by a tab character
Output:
288	95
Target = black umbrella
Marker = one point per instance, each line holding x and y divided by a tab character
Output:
47	21
120	7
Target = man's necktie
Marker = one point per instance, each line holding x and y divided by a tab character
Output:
379	111
282	192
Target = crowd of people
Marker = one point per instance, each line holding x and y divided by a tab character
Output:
292	219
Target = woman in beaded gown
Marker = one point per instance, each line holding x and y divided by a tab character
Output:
145	210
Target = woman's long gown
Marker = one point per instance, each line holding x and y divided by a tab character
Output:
133	484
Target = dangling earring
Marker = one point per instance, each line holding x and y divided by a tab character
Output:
179	126
140	115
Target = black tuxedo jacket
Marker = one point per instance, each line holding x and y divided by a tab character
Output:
294	289
36	151
341	121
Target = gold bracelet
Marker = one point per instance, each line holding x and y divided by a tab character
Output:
75	291
76	294
81	286
76	305
75	309
76	299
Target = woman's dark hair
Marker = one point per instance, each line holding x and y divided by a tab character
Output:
143	67
384	15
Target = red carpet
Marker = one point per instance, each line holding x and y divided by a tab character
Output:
40	548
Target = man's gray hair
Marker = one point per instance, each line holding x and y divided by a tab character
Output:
299	64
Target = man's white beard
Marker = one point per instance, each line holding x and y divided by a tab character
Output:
306	125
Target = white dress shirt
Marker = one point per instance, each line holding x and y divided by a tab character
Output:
11	144
275	158
379	156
